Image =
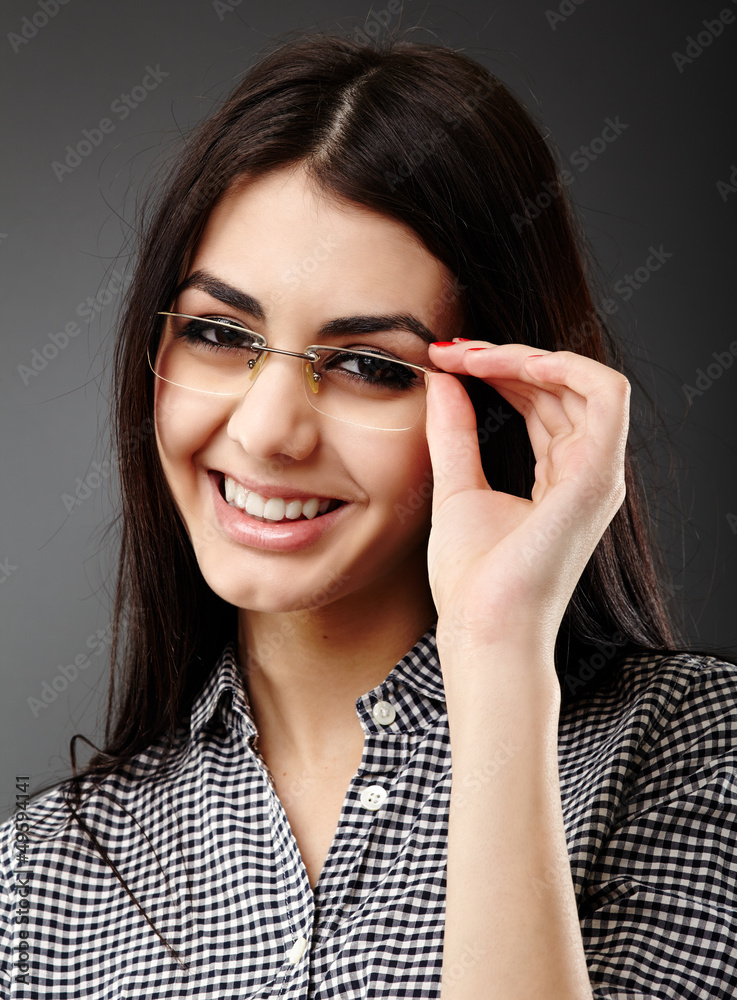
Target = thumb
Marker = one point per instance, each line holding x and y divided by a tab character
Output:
452	439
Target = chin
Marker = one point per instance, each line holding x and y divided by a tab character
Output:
275	592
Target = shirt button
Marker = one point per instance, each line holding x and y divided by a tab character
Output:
384	713
297	950
374	797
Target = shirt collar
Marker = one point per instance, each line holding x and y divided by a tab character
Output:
415	683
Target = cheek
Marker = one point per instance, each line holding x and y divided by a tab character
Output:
397	477
183	425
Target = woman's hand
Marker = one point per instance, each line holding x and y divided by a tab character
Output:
503	568
502	571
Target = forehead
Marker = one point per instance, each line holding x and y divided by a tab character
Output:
283	238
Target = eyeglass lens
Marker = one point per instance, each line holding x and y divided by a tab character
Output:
211	357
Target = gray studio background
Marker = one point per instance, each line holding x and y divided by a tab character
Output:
65	234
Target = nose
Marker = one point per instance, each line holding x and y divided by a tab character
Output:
274	420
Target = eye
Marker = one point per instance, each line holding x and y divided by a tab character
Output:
373	370
218	334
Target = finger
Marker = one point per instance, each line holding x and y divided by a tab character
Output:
544	411
597	457
452	440
594	397
606	392
544	417
502	366
506	365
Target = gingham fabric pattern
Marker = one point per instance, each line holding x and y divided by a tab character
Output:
649	793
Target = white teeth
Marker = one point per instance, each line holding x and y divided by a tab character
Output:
294	509
255	504
272	508
309	507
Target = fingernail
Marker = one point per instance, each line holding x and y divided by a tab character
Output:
479	348
461	340
534	356
442	343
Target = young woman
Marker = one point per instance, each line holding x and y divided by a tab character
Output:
377	504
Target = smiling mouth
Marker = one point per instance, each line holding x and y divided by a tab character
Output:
274	510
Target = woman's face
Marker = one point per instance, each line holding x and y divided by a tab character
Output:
307	259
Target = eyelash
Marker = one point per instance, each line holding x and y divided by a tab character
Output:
400	379
192	332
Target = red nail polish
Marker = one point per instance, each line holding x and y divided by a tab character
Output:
442	343
461	340
477	348
535	356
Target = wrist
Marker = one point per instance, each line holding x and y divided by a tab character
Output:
502	677
458	636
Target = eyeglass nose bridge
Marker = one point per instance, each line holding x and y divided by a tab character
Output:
313	377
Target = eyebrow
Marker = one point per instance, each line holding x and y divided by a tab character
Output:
237	299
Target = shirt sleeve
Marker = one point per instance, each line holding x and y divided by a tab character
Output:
659	916
6	915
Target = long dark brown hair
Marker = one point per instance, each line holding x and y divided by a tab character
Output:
429	137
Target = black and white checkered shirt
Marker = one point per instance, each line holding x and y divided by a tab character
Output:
649	791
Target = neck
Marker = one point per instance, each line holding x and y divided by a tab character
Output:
304	670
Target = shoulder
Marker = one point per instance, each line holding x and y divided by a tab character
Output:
650	803
47	821
655	704
649	678
38	817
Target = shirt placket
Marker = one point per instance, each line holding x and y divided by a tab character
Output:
348	874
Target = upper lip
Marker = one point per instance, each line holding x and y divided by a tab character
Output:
282	490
